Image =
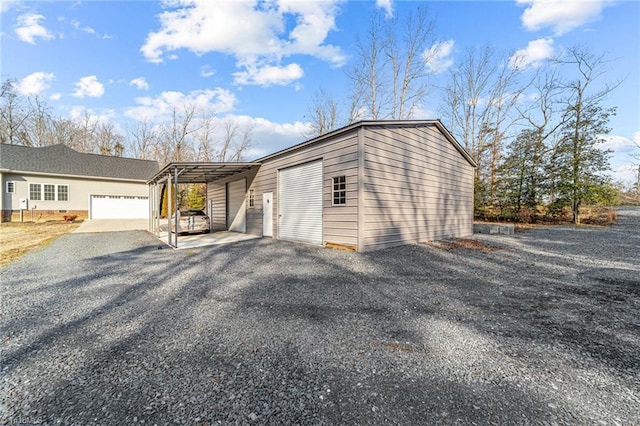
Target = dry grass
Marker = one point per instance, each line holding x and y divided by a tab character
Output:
530	219
19	238
468	244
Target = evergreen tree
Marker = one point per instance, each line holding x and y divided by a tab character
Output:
579	164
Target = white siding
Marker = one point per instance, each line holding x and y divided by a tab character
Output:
79	191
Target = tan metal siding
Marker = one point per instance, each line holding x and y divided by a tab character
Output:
237	205
417	187
339	157
217	199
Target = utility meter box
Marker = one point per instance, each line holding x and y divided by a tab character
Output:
24	204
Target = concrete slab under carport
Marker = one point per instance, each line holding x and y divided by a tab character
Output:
211	239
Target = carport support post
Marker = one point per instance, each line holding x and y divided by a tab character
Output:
175	204
169	210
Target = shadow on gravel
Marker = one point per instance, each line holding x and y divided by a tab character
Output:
544	330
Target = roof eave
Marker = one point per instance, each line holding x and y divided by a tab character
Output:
232	168
67	175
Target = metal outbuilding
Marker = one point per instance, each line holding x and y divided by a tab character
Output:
366	186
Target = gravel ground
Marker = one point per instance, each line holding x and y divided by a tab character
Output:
109	329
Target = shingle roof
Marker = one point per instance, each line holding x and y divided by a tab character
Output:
62	160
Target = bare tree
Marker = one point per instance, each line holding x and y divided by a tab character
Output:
389	75
366	73
204	139
13	115
65	132
143	138
39	126
108	140
230	130
176	135
242	144
323	114
408	64
479	108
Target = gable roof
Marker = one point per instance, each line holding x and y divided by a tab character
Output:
377	123
62	160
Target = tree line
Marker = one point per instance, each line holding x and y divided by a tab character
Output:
187	135
534	130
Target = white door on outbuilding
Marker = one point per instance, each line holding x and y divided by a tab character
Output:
300	203
267	214
118	207
236	206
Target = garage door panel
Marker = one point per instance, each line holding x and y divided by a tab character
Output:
300	208
119	207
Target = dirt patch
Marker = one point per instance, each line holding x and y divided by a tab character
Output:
19	238
468	244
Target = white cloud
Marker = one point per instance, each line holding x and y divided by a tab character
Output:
28	28
160	108
419	113
269	75
140	83
387	6
87	29
267	136
438	57
536	52
206	71
5	5
88	86
35	83
560	15
56	96
620	144
252	32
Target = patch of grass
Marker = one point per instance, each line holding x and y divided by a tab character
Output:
468	244
541	216
17	239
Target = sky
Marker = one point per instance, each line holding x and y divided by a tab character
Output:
262	62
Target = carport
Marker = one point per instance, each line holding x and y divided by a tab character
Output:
176	173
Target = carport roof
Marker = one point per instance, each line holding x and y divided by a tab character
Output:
201	172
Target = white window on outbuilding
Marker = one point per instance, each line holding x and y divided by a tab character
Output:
339	190
11	187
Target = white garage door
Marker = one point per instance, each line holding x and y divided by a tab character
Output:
119	207
236	206
300	203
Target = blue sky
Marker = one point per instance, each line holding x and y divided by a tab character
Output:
262	62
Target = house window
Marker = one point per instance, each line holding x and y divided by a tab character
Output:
252	198
11	187
339	190
35	191
63	192
49	192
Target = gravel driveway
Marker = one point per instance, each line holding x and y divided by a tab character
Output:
110	329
